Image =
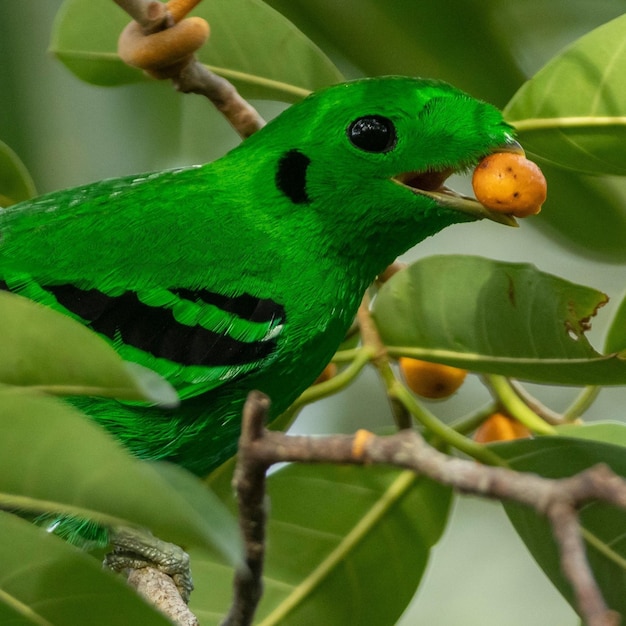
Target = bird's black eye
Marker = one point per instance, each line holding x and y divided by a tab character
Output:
373	133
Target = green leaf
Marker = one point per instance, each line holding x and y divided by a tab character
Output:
252	45
44	349
491	316
616	335
602	525
587	213
53	458
573	112
16	183
46	582
507	41
329	528
606	431
415	39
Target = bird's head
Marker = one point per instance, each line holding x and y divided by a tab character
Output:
373	155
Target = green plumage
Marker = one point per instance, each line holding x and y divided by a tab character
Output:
245	273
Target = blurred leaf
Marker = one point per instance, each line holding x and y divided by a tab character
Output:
46	582
15	181
606	431
84	39
429	38
573	111
263	54
73	466
508	39
536	30
616	335
44	349
603	526
330	528
491	316
587	213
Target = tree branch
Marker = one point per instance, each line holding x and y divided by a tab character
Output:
249	481
557	499
160	590
163	42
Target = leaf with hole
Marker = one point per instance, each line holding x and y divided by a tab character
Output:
491	316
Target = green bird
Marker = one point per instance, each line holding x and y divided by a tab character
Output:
246	273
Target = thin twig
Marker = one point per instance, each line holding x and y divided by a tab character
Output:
581	403
197	78
557	499
515	406
249	481
371	338
546	413
151	15
566	530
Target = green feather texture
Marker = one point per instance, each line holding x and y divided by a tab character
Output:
245	273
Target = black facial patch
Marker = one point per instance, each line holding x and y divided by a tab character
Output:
156	331
291	176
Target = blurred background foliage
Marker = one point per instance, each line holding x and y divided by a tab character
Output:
68	133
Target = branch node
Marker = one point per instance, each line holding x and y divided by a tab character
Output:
254	418
164	53
361	440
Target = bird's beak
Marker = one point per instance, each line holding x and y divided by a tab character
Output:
431	184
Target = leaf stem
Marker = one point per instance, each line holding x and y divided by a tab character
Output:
516	407
23	609
581	403
361	357
371	338
443	431
547	123
470	422
296	93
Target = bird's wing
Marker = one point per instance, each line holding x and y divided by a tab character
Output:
195	338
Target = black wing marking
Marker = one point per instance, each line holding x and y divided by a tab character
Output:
156	331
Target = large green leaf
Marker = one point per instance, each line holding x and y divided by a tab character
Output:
428	38
487	47
53	458
49	351
329	529
491	316
252	45
16	183
603	526
46	582
573	111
